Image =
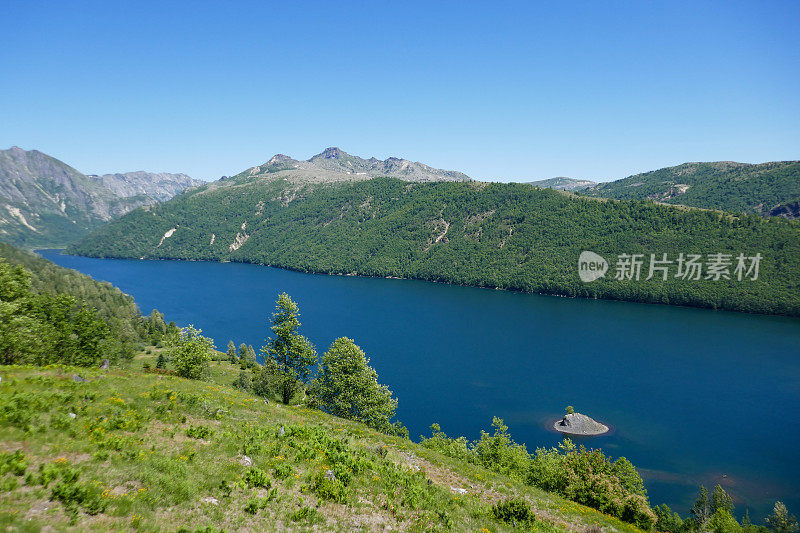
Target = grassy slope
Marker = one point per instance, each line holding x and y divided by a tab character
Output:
130	446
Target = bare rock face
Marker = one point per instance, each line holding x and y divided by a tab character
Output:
579	424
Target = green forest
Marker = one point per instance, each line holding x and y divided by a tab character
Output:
52	314
724	185
496	235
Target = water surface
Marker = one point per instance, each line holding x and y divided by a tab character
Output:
694	396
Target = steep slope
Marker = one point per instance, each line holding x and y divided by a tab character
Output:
737	187
510	236
333	164
45	202
118	309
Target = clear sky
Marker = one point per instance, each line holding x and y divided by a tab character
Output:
507	90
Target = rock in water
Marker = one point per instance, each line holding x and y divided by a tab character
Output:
578	424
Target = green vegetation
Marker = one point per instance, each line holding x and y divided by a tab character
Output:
143	447
509	236
192	355
734	187
48	315
150	452
293	353
347	386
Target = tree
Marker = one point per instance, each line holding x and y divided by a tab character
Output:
232	352
570	410
701	510
243	381
192	356
667	520
161	362
244	356
348	387
722	522
267	379
780	520
293	353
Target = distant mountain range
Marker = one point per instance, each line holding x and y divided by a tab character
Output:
333	164
563	184
45	202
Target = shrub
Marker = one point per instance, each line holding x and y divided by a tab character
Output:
283	470
500	453
456	448
329	489
243	381
192	356
199	432
75	495
14	463
570	410
512	511
256	477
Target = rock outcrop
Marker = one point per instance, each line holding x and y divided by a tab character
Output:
579	424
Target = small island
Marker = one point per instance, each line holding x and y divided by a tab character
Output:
579	424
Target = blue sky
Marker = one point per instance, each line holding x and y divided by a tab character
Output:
505	90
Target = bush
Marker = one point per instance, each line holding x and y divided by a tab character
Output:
192	356
14	463
243	381
500	453
199	432
570	410
330	489
513	511
256	477
75	495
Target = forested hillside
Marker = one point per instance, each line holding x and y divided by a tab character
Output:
768	189
509	236
37	296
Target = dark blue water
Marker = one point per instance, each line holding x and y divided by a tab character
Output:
694	396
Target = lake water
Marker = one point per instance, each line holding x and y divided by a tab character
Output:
694	396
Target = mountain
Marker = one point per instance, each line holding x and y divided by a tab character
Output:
160	186
45	202
767	189
498	235
333	164
563	184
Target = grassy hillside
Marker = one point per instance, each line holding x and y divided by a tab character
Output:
510	236
735	187
128	449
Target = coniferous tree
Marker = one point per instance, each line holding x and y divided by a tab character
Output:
293	353
780	520
232	352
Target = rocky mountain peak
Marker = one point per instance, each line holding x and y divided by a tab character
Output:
330	153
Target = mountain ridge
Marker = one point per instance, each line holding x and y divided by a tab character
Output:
46	202
334	164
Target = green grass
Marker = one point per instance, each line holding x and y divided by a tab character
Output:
151	452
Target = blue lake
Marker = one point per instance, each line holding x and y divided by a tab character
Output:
694	396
